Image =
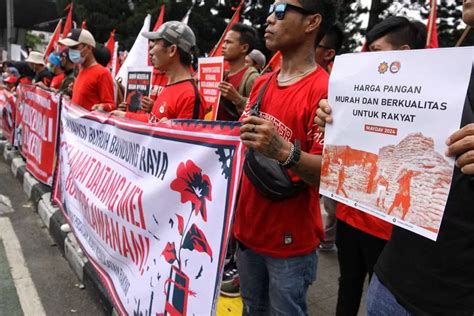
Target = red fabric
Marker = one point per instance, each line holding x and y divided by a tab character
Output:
217	51
261	224
275	62
160	19
158	83
235	80
84	25
94	85
56	82
68	23
111	47
432	29
53	41
365	222
176	101
25	80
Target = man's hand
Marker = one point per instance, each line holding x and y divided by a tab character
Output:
147	104
323	114
118	113
461	144
262	136
98	107
122	106
229	92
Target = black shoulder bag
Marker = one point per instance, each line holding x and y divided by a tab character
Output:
267	175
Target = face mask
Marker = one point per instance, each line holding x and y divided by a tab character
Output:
75	56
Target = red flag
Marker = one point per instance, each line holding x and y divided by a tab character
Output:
161	18
431	28
54	40
275	63
111	47
84	25
217	50
68	24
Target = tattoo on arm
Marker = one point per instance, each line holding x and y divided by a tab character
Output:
275	146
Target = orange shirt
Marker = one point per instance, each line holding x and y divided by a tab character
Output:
94	85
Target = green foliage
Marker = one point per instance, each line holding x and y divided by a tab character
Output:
210	17
33	41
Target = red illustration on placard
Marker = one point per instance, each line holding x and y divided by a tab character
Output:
194	187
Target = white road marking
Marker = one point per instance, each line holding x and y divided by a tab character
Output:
5	205
25	288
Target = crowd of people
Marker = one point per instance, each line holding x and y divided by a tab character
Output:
272	257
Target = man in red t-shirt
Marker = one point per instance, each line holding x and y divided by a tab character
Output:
278	239
171	49
94	87
54	61
238	82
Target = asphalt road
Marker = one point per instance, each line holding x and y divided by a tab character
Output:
35	279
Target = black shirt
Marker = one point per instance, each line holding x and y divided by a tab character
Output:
437	278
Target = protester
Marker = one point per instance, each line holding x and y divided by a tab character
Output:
235	89
54	61
93	88
69	73
26	74
43	76
277	256
329	47
326	51
10	83
171	52
415	275
256	59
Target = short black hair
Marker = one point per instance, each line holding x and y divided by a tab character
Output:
400	32
328	11
101	54
334	37
185	58
248	35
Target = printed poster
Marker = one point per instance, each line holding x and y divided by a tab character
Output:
393	112
151	206
138	86
211	74
36	128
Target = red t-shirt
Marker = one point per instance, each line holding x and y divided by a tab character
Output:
56	82
176	101
292	227
158	82
235	80
94	85
365	222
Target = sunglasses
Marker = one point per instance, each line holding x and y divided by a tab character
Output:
280	8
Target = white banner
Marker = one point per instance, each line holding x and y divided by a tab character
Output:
393	112
151	206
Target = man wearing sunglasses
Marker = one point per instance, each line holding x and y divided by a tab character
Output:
278	238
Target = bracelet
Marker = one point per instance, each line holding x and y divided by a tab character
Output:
294	156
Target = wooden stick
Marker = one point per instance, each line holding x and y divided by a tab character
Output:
463	36
430	25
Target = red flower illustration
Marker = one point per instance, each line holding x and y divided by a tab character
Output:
193	186
169	252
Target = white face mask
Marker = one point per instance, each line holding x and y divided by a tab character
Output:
75	56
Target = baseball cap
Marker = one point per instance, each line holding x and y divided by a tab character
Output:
78	36
35	58
175	32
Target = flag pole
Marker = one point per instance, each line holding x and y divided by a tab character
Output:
237	11
430	19
463	36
